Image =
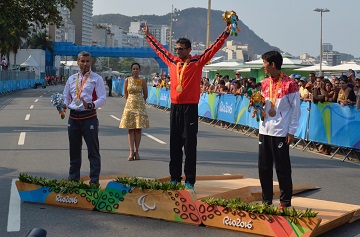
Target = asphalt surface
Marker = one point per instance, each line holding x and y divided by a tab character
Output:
44	152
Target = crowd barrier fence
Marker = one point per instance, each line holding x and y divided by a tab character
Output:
326	123
7	86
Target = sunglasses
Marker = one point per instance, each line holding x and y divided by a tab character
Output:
179	49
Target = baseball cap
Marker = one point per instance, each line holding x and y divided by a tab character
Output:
297	76
303	79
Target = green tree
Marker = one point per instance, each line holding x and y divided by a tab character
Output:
22	16
41	41
125	64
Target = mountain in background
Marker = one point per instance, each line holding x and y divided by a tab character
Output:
191	23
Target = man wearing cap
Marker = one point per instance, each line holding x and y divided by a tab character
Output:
297	78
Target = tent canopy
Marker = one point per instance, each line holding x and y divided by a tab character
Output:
346	66
315	68
229	65
30	62
287	63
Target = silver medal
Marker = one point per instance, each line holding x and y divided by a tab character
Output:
77	101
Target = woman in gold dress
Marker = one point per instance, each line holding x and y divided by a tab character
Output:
134	117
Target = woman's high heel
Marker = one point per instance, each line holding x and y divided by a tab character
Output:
136	156
132	156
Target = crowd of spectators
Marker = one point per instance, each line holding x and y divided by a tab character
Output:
344	90
222	84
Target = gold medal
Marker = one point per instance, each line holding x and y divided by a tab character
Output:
272	112
179	88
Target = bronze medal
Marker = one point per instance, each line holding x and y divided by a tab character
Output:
179	88
272	112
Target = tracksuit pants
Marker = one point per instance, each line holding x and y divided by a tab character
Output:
183	134
274	150
89	129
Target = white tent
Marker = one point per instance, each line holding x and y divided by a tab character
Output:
315	68
231	65
31	63
71	66
287	63
346	66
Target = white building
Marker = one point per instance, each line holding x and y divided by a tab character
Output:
66	32
82	17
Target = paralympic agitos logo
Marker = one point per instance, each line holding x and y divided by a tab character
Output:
145	207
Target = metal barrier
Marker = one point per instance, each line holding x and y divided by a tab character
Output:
16	75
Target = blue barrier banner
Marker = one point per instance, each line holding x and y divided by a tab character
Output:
330	123
303	122
153	95
226	108
164	97
244	116
207	106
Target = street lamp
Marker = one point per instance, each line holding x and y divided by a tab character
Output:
321	10
208	24
174	13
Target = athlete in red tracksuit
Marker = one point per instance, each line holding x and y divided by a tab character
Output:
185	76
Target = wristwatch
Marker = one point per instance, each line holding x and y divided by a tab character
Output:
90	106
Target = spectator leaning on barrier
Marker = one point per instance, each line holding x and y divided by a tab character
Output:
357	91
346	94
304	93
351	78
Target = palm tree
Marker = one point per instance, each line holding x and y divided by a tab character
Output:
41	41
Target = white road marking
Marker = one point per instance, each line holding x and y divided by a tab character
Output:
146	134
41	96
36	100
27	117
115	117
14	209
32	106
22	138
154	138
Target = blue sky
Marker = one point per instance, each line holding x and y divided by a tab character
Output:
291	25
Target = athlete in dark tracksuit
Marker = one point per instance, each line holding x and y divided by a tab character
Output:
185	76
84	92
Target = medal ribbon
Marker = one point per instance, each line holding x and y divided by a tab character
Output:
78	91
180	75
273	98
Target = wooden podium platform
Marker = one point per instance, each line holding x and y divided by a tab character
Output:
332	214
186	205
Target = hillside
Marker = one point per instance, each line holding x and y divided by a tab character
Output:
191	23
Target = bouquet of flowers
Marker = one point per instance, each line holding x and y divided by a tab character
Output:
58	101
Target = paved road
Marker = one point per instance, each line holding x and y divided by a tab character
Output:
42	150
